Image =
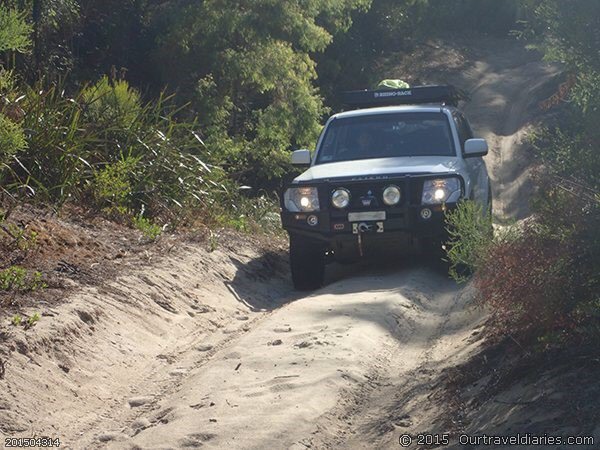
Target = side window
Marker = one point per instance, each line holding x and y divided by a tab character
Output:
463	128
327	150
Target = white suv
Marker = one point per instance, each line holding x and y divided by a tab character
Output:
381	179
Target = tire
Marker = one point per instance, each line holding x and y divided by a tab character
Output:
432	250
307	263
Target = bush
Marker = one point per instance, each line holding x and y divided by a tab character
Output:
111	104
19	279
55	164
14	31
525	283
539	279
543	284
111	186
150	230
12	140
470	236
115	154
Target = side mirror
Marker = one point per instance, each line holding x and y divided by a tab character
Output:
475	147
301	158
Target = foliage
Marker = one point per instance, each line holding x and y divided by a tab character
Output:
54	162
12	140
567	150
33	319
17	320
14	31
470	235
569	32
255	94
24	240
111	186
253	215
18	279
544	284
150	230
111	103
104	145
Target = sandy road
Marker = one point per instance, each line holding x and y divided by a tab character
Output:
306	375
507	84
215	350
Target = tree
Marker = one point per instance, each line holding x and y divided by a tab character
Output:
14	36
14	31
251	69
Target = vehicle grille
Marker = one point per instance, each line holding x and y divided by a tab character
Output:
368	194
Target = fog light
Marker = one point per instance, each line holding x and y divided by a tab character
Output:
313	221
340	198
426	213
391	195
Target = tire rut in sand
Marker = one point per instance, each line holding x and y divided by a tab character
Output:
373	409
142	410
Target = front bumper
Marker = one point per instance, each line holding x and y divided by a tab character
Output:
402	221
330	228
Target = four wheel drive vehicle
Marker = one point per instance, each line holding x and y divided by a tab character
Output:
382	177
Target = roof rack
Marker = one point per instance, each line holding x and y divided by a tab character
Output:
447	95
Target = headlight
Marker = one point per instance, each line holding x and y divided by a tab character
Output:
340	198
391	195
445	190
301	199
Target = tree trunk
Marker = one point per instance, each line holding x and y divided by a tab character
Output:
36	15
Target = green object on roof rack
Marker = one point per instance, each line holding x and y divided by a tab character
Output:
393	84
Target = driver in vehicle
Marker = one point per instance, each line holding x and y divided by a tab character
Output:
359	143
364	142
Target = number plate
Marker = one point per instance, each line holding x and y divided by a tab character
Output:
376	227
366	216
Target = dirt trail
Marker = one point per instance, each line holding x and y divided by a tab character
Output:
214	349
309	370
506	92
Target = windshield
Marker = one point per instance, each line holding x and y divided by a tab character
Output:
387	135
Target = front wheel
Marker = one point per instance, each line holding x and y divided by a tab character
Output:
432	250
307	263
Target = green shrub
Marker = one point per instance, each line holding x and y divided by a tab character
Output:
111	103
569	150
150	230
8	87
112	186
147	158
470	237
56	162
33	319
14	31
12	140
24	240
19	279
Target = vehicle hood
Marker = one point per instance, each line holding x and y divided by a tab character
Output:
380	167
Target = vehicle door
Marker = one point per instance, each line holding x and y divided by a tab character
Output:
475	166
